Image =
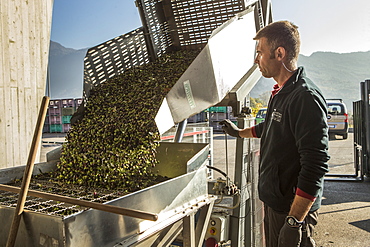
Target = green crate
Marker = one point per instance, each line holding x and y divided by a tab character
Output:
222	109
66	119
56	128
67	111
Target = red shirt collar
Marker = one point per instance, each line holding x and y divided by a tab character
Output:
276	89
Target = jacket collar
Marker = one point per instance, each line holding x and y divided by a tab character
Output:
290	84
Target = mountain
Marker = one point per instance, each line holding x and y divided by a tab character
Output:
338	75
65	71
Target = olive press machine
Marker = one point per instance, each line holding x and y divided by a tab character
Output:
222	74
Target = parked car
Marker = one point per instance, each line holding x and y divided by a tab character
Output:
337	118
261	115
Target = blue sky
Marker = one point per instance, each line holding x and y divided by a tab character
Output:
86	23
330	25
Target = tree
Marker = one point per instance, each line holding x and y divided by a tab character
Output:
256	104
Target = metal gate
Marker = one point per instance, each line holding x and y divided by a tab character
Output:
361	131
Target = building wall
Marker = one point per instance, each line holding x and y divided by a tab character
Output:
24	46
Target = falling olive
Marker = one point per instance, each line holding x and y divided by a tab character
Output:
114	144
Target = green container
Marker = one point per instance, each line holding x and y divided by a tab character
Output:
66	119
222	109
56	128
67	111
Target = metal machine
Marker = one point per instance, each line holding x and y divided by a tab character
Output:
222	74
172	201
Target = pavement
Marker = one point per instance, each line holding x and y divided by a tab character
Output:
50	141
345	212
344	219
345	215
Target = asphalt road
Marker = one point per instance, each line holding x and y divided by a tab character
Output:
345	213
341	155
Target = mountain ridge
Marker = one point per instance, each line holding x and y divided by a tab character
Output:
66	68
338	75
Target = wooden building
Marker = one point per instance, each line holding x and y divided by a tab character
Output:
24	46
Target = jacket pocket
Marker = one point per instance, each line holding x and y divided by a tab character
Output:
269	185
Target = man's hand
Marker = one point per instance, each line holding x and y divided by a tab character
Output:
290	236
230	128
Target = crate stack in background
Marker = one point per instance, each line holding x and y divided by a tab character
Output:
59	114
46	128
68	108
219	113
199	117
213	116
55	116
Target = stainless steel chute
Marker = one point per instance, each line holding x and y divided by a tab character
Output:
226	62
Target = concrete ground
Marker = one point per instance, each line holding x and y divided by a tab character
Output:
344	219
50	141
345	213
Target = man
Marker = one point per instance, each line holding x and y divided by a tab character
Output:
294	140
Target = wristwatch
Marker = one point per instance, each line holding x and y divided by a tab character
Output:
292	221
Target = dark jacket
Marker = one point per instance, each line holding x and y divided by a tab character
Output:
294	144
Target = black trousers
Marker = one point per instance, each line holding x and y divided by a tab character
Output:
273	222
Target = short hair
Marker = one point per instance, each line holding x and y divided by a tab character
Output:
281	34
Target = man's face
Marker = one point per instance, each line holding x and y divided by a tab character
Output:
268	64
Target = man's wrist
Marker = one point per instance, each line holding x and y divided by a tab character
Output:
292	221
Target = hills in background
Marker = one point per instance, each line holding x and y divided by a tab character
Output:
66	68
338	75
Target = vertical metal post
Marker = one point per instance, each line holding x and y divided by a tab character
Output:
180	131
147	37
365	95
189	230
359	136
202	224
195	137
240	220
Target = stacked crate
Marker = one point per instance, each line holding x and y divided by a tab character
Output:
219	113
68	108
78	102
198	118
214	115
59	114
46	128
55	116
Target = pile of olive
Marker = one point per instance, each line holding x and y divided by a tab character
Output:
114	144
